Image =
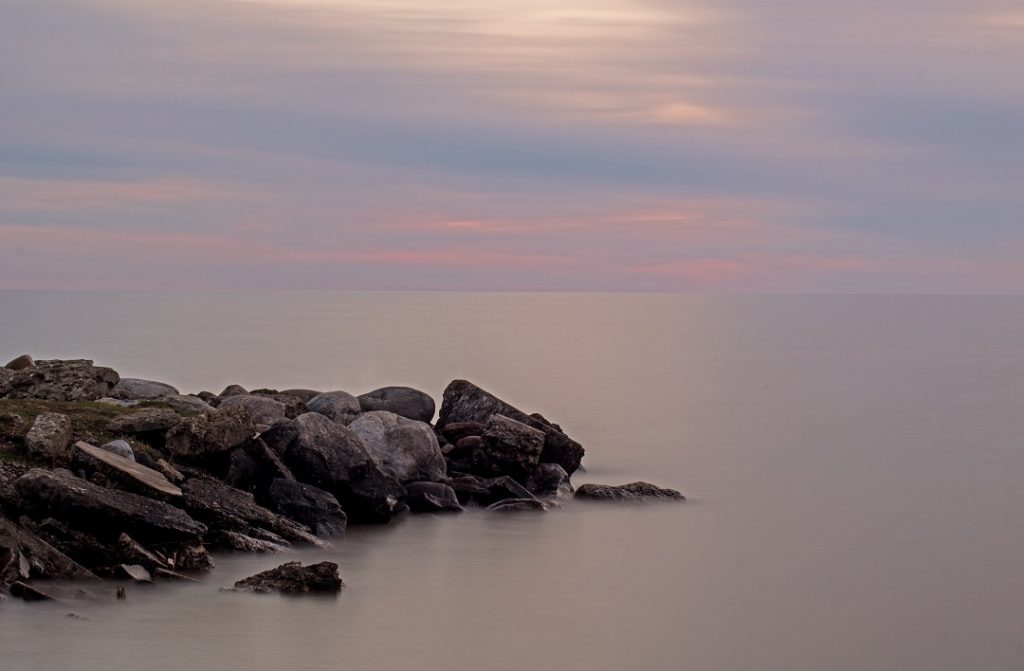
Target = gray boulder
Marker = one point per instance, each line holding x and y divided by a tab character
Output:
264	410
465	402
148	424
508	447
432	497
294	578
405	401
59	380
405	449
303	395
134	389
308	505
233	390
186	403
634	491
49	438
549	481
121	448
20	363
211	433
339	406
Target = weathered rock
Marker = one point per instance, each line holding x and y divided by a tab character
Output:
57	380
232	541
459	456
28	592
548	481
404	401
134	476
192	557
308	505
508	447
132	572
104	512
233	390
21	549
339	406
6	381
20	363
186	403
518	506
10	500
303	395
264	410
119	447
404	449
432	497
224	508
49	437
465	402
370	496
634	491
456	431
486	491
211	433
134	389
132	553
294	578
84	549
13	426
321	452
149	424
254	467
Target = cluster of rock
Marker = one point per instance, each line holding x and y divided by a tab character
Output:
256	471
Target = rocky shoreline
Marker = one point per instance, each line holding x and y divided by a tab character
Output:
110	478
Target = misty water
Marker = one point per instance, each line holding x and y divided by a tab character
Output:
854	469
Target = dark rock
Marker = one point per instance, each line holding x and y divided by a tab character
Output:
208	397
211	433
49	437
370	496
432	497
132	553
132	572
133	476
264	410
192	557
232	390
167	574
456	431
404	401
102	511
307	505
459	457
293	406
634	491
294	578
13	427
321	452
134	389
338	406
149	425
303	395
518	506
186	403
254	467
119	447
84	549
20	546
232	541
20	363
10	500
548	481
404	449
508	447
486	491
6	381
28	592
57	380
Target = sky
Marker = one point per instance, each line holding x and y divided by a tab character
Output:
798	146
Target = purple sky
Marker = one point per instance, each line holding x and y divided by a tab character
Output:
735	145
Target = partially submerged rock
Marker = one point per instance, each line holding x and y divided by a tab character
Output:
294	578
518	506
549	481
634	491
133	572
432	497
308	505
28	592
23	555
405	401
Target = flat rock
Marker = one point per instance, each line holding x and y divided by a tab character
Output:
145	422
634	491
133	572
211	433
404	401
60	380
338	406
294	578
134	389
49	437
146	477
402	448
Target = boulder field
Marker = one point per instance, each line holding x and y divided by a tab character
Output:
104	477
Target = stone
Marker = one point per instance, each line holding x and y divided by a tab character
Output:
459	456
404	401
254	467
518	506
634	491
338	406
104	512
28	592
19	543
119	447
431	497
508	447
456	431
20	363
211	433
303	395
294	578
146	424
132	572
143	480
263	409
186	403
486	491
465	402
132	553
59	380
232	541
233	390
404	449
549	481
13	426
192	557
309	506
370	496
134	389
85	549
321	452
49	437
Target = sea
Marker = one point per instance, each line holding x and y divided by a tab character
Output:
854	469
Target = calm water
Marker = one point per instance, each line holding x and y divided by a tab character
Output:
854	464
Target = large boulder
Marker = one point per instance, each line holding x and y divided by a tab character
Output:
104	512
186	403
508	447
405	449
308	505
254	467
465	402
134	389
549	481
303	395
432	497
405	401
294	578
149	425
321	452
338	406
370	496
20	363
264	410
49	438
211	433
634	491
59	380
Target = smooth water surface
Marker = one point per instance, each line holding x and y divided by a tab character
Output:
854	467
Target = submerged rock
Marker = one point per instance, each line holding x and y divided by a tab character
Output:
294	578
134	389
405	449
28	592
634	491
432	497
405	401
49	438
486	491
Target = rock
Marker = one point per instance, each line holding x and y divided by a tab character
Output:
549	481
294	578
85	549
6	381
404	449
169	472
132	572
134	389
211	433
224	508
133	553
102	511
307	505
431	497
263	409
404	401
192	557
28	592
186	403
149	425
518	506
293	406
233	390
339	406
321	452
456	431
232	541
459	456
13	426
121	448
254	467
20	363
486	491
138	478
634	491
49	437
465	402
18	543
508	447
10	501
57	380
303	395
